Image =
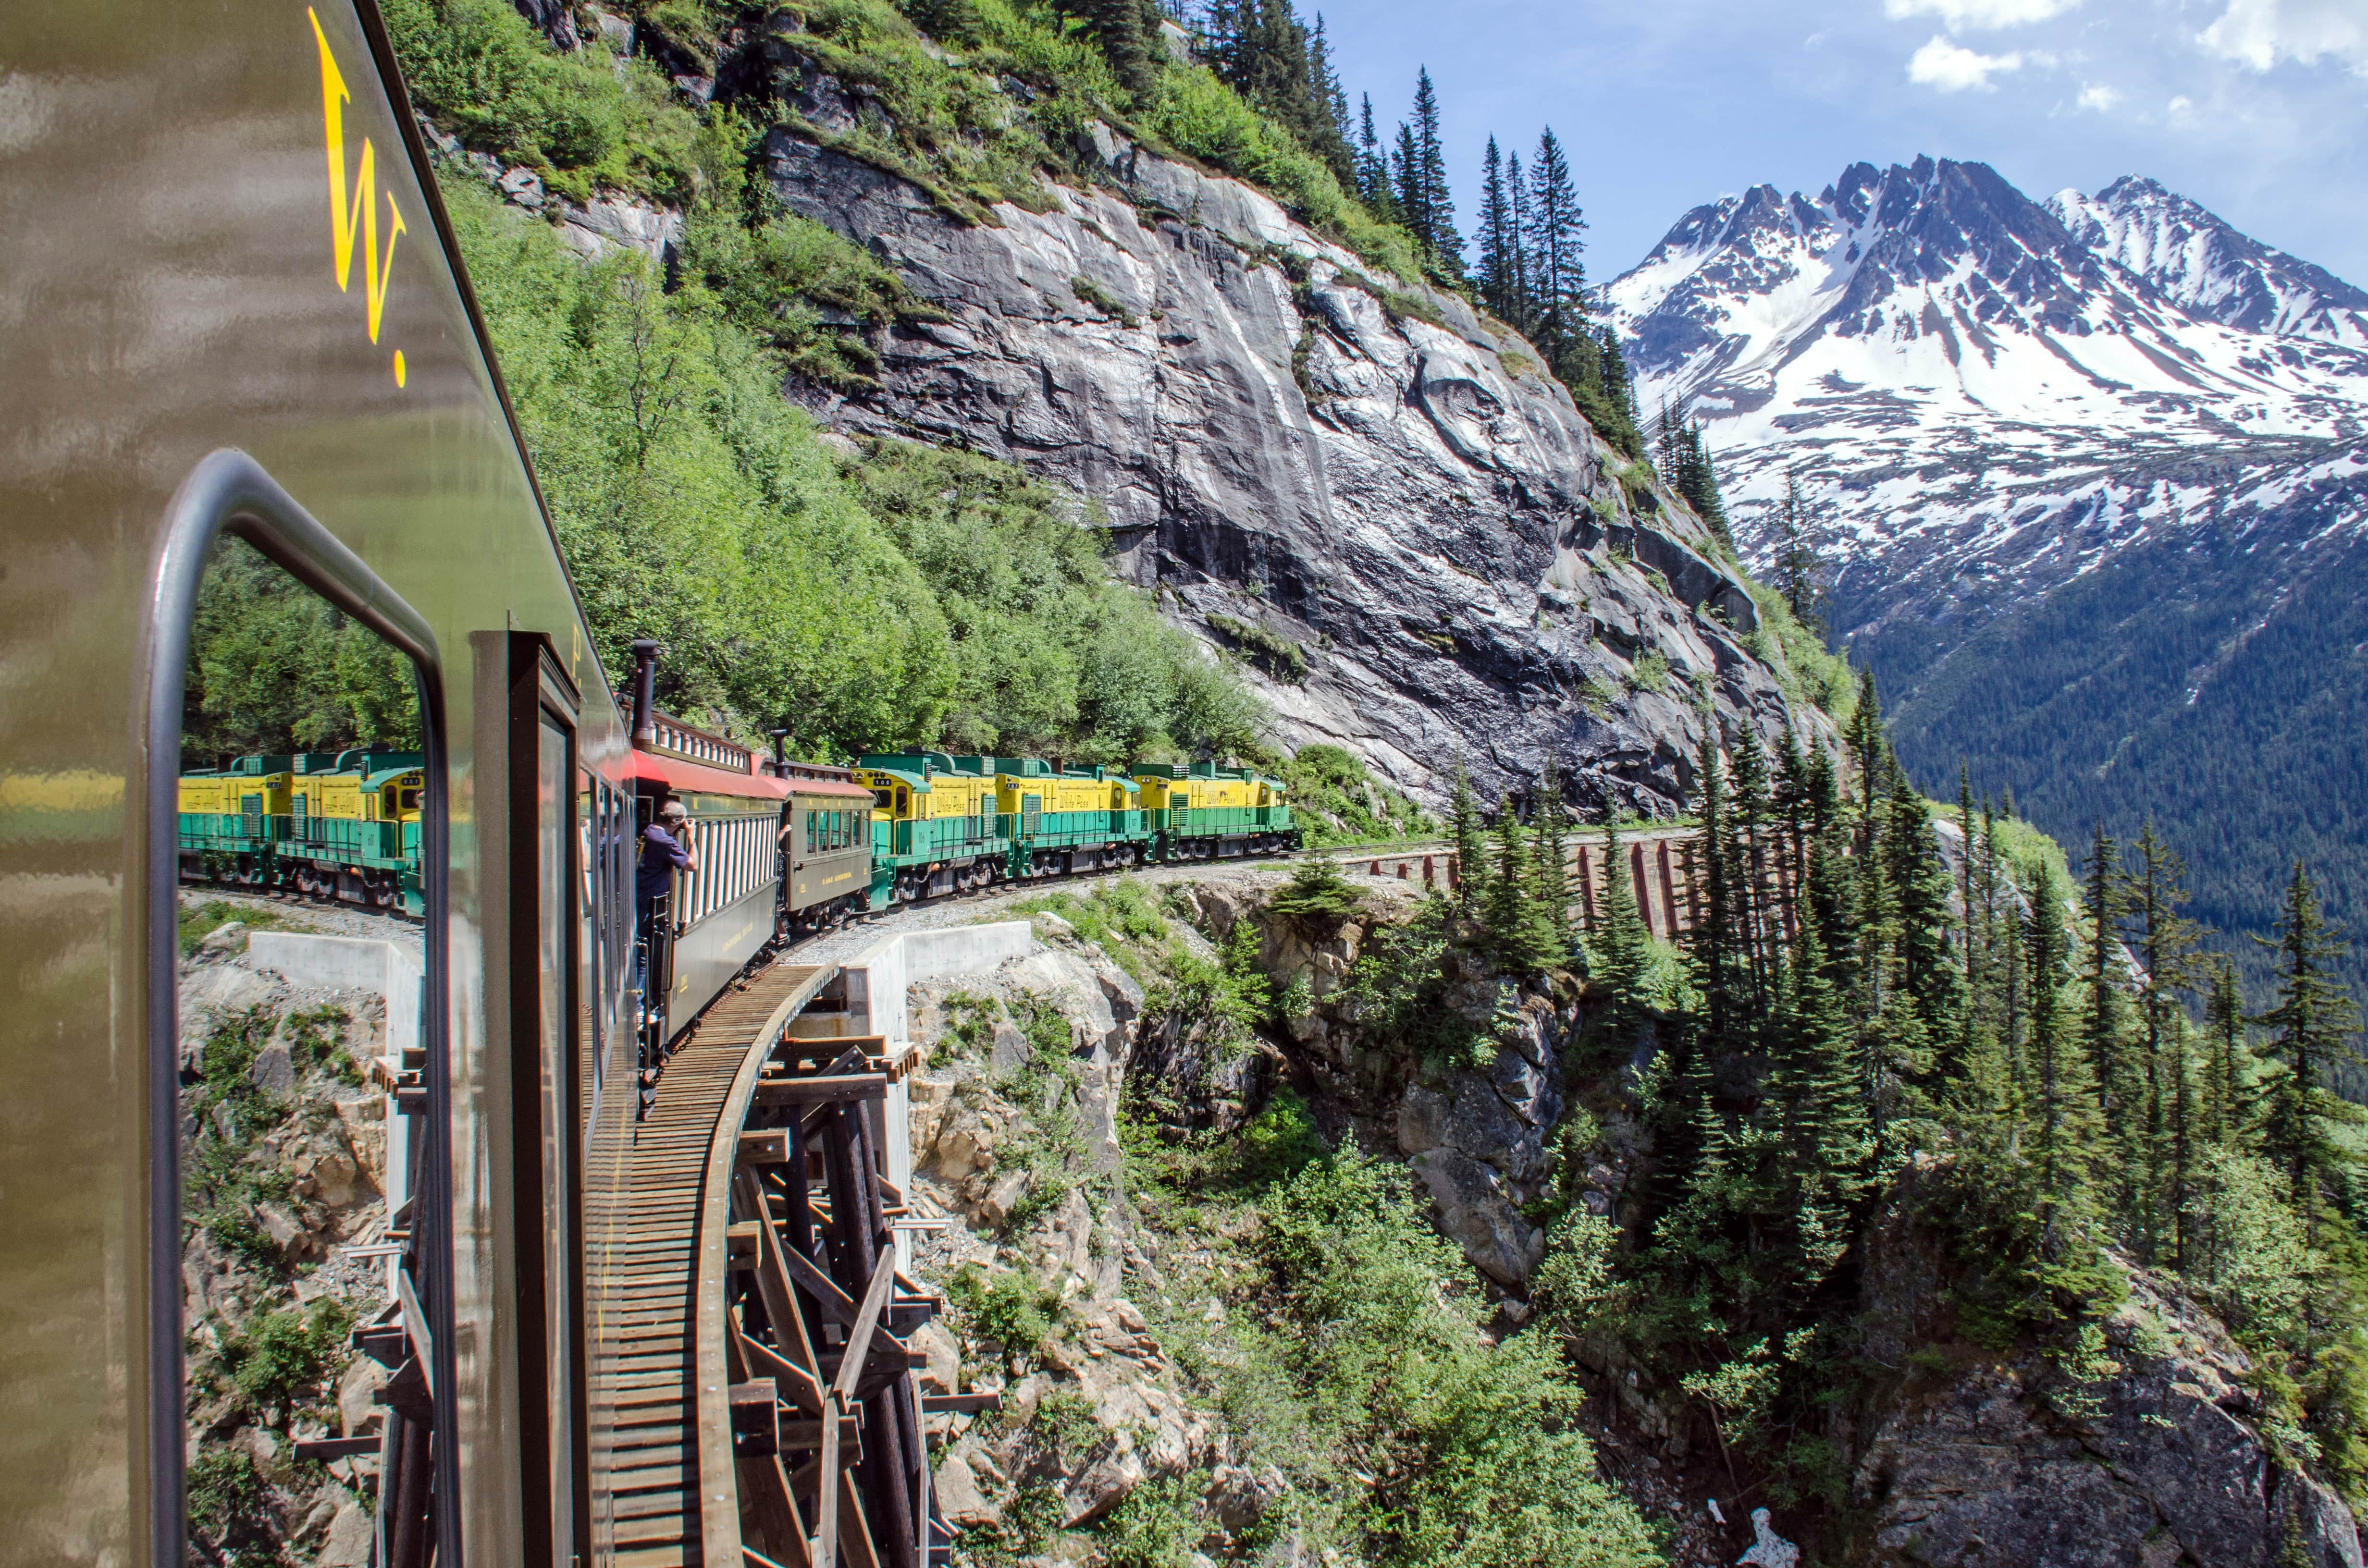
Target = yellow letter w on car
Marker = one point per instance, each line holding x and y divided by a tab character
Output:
362	212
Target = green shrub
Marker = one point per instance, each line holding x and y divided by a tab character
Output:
1092	294
477	67
230	1505
1317	898
1651	671
1474	1446
1336	801
1278	656
1157	1524
281	1360
1011	1310
1804	665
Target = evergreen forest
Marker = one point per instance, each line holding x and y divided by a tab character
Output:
1890	1010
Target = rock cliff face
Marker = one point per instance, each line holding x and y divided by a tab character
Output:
1296	455
2157	1460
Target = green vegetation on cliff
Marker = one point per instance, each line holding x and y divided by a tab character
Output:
1867	998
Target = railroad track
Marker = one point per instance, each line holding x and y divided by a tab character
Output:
657	1217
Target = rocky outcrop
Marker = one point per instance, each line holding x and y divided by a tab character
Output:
1477	1139
1369	471
1014	1130
2151	1454
284	1153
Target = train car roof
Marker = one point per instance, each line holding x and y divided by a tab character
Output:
837	789
689	778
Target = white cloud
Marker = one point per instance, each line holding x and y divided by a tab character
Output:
2260	33
2180	104
2099	97
1950	68
1958	15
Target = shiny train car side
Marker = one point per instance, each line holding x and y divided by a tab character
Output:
235	327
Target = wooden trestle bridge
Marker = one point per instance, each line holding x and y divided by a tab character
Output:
748	1331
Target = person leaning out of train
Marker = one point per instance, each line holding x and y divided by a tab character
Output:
667	847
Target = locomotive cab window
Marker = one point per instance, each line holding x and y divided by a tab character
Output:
298	1248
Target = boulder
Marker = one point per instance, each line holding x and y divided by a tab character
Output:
1475	1214
274	1071
350	1536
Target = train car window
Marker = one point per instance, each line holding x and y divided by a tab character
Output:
298	1200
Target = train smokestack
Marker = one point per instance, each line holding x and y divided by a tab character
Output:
780	757
645	680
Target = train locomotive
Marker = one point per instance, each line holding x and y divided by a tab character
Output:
335	824
789	847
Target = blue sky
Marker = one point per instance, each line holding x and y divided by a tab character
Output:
2257	109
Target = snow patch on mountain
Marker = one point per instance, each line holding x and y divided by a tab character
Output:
1948	366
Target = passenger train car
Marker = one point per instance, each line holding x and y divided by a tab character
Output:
235	322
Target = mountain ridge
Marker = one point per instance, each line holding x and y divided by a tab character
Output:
2113	419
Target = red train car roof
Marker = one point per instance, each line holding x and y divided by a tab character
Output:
687	778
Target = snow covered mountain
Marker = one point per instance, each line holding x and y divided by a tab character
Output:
2208	269
2092	481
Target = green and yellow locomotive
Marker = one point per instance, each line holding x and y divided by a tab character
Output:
943	823
337	825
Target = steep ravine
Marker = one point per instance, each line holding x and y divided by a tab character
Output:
1123	1328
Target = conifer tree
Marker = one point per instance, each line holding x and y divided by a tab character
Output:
1870	751
2166	943
1419	169
1790	853
2061	1094
1524	938
2101	1022
1813	1079
1917	878
1471	846
1800	576
1712	939
1326	83
2014	1009
1973	924
2227	1085
1517	195
1669	442
1697	482
1758	933
1125	30
1407	188
1373	167
1499	240
1619	391
1556	225
1554	857
1622	949
2313	1031
1260	49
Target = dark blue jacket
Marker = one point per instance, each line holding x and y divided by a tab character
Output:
661	858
